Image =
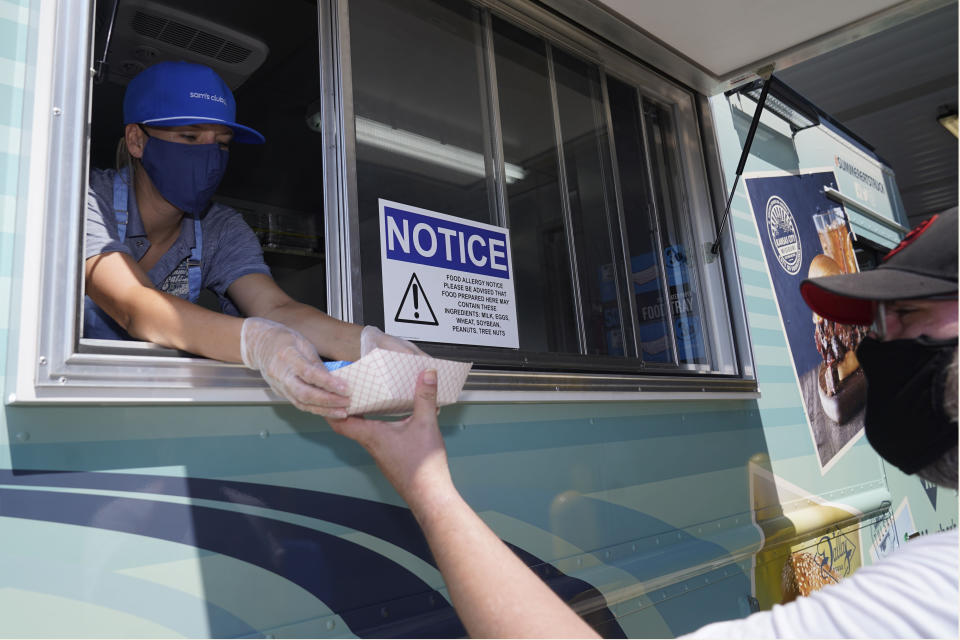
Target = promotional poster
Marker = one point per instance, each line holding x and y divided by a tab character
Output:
805	235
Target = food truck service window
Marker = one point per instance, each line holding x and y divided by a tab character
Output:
478	122
484	178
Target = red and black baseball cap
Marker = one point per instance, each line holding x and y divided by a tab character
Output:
923	265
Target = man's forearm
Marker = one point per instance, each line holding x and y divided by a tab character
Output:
495	593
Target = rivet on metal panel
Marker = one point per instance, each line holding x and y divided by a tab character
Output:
264	434
23	436
43	360
12	398
57	111
331	624
62	380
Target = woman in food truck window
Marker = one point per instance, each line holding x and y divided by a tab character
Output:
154	241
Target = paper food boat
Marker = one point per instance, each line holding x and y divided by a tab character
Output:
384	381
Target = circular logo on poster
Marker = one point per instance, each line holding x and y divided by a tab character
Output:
784	237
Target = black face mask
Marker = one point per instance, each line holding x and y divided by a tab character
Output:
905	420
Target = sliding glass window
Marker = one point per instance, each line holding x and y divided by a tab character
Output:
462	110
421	127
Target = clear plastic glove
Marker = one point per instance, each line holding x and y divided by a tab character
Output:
290	365
372	338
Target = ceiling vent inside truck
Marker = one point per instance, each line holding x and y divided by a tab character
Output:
146	32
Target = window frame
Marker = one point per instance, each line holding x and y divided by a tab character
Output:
52	365
584	372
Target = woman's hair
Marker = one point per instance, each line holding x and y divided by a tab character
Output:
122	157
124	160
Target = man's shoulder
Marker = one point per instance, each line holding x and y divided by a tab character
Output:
931	554
934	543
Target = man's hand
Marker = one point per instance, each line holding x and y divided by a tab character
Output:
495	594
410	452
372	338
290	365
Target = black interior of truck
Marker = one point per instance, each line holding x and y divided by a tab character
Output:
268	53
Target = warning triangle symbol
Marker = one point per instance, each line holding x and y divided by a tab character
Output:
414	307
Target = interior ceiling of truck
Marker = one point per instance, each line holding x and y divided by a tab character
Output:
895	74
886	69
890	90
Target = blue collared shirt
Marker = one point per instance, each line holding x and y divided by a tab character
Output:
230	248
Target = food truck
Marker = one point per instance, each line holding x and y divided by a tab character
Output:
545	189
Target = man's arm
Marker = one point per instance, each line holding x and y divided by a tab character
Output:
493	591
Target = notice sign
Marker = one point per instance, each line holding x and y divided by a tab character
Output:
446	279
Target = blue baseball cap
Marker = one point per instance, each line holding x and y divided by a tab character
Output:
173	94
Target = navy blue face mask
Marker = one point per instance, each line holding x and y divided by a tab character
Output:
187	175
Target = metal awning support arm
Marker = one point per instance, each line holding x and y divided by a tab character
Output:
101	63
715	249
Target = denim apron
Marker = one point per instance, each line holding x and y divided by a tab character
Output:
96	323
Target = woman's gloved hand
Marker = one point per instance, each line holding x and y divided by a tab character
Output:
290	365
372	338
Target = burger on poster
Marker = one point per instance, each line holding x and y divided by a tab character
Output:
840	381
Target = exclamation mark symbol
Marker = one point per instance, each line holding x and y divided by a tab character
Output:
416	301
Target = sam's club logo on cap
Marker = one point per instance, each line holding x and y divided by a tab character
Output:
206	96
783	234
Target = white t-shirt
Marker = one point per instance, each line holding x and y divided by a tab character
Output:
910	594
